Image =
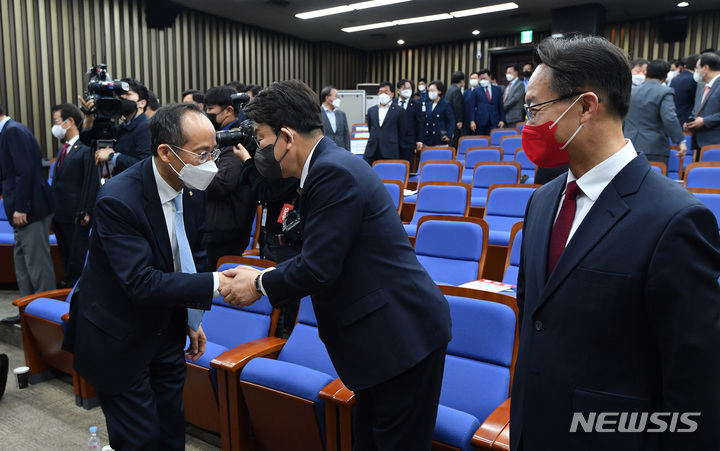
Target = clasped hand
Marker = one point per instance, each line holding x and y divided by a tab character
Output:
237	286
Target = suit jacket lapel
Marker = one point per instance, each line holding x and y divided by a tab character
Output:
154	212
544	227
707	97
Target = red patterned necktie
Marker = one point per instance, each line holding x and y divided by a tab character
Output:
487	93
563	224
63	152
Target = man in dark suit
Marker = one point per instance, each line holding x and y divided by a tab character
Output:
486	102
335	122
414	122
652	119
133	135
514	97
71	174
361	271
618	297
454	95
386	123
704	122
685	87
134	303
28	202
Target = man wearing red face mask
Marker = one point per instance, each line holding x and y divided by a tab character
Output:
618	282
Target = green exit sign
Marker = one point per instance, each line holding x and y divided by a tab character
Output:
526	37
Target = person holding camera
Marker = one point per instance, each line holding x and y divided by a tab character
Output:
231	205
132	136
440	124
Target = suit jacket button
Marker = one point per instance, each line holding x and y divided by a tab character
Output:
538	325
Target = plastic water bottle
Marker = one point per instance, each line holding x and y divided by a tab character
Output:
94	440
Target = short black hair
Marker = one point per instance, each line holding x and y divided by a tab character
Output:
677	63
658	69
137	86
711	60
153	103
691	61
166	125
439	85
254	89
197	96
422	79
289	103
485	71
401	84
514	67
326	91
219	95
389	85
638	62
474	73
588	63
457	77
68	110
238	86
2	110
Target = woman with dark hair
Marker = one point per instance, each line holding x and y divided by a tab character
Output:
440	122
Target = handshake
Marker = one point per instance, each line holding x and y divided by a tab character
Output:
237	285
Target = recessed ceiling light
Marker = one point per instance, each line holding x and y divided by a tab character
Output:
400	41
346	8
371	26
422	19
476	32
484	10
683	4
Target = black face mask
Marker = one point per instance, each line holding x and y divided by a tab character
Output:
128	107
266	163
213	120
527	74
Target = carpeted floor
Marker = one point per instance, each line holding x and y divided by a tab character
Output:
44	416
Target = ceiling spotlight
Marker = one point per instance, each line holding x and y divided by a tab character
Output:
683	4
400	41
475	32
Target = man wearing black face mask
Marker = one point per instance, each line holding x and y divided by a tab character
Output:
133	135
361	271
231	205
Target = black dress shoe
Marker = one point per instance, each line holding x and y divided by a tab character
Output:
11	320
3	373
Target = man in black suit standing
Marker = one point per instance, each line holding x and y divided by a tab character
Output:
334	119
71	174
386	124
414	121
455	97
685	87
28	202
361	271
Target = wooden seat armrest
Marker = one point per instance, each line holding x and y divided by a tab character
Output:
337	393
251	252
488	432
65	317
237	357
60	294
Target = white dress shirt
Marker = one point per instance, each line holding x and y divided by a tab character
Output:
594	182
382	112
331	118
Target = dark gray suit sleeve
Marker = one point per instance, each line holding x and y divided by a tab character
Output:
669	118
346	132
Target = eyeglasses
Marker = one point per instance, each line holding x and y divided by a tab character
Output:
204	156
532	110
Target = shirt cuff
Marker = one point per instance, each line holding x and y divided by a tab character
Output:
216	284
260	282
114	159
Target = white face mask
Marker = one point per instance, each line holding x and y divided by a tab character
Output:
421	88
432	95
196	177
638	79
697	77
384	99
336	103
510	77
406	93
474	82
58	131
484	83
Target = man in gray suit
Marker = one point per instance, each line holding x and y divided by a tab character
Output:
652	118
335	122
513	98
704	121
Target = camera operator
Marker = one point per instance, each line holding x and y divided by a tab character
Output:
231	205
132	136
278	198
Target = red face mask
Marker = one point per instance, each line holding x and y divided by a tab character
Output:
541	146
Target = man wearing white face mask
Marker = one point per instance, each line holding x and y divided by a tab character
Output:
335	122
144	279
414	122
513	97
386	123
639	71
69	177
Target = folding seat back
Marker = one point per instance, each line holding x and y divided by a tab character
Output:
477	155
452	248
491	173
440	198
509	144
512	264
505	206
497	134
711	199
396	191
710	153
466	142
702	175
527	166
392	170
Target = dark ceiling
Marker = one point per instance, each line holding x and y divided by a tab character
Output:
279	16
